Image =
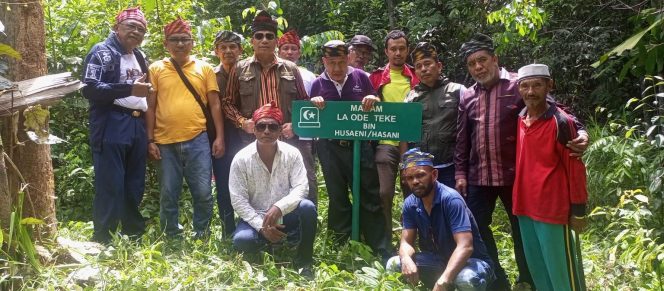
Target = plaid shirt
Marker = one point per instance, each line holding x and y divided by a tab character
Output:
485	151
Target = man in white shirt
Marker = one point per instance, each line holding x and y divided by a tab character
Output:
268	185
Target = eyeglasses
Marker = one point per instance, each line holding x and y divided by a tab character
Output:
179	40
135	27
273	127
260	36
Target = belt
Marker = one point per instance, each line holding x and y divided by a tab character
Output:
133	112
342	142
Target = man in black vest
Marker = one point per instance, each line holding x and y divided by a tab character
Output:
440	100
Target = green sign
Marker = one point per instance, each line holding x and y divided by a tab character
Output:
346	120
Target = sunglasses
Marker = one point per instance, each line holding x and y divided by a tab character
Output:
260	36
273	127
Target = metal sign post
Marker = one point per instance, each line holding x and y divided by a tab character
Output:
346	120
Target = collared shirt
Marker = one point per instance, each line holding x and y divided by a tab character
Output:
178	116
449	215
254	188
545	172
381	77
268	88
355	87
486	132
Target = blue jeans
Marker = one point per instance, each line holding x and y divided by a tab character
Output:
476	275
192	161
300	230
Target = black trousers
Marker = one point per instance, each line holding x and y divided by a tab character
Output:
336	160
481	201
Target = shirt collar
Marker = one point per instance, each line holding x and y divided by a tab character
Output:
503	75
547	114
349	71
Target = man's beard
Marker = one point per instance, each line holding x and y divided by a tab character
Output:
426	192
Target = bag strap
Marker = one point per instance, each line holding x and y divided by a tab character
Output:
191	89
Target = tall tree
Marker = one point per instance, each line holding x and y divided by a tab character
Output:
25	31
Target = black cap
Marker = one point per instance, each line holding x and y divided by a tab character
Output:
361	40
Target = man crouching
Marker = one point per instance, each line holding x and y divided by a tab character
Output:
452	254
268	185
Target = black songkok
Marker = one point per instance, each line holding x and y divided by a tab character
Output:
264	21
227	36
335	48
424	50
477	43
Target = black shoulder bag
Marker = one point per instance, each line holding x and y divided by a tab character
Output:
209	122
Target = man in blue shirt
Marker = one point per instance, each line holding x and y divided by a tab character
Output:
452	254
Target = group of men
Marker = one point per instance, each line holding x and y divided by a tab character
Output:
499	138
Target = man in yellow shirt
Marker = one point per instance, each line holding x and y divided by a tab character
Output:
176	127
392	83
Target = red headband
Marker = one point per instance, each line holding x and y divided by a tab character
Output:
269	110
290	37
134	13
177	26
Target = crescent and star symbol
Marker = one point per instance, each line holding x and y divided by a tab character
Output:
308	115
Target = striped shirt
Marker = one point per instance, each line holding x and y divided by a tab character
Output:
485	152
267	89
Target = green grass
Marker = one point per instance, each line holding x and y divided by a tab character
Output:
159	264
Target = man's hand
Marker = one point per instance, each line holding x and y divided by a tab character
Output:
578	145
409	270
443	286
140	88
218	147
271	217
318	101
287	130
578	224
273	234
248	126
153	150
462	187
270	229
368	102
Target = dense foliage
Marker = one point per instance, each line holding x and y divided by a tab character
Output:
624	246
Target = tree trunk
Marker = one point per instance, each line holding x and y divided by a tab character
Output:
390	14
26	34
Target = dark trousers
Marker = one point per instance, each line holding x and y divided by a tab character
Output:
300	230
481	201
336	161
221	168
387	163
119	177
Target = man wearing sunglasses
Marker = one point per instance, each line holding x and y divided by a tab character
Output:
115	74
176	126
261	79
268	185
